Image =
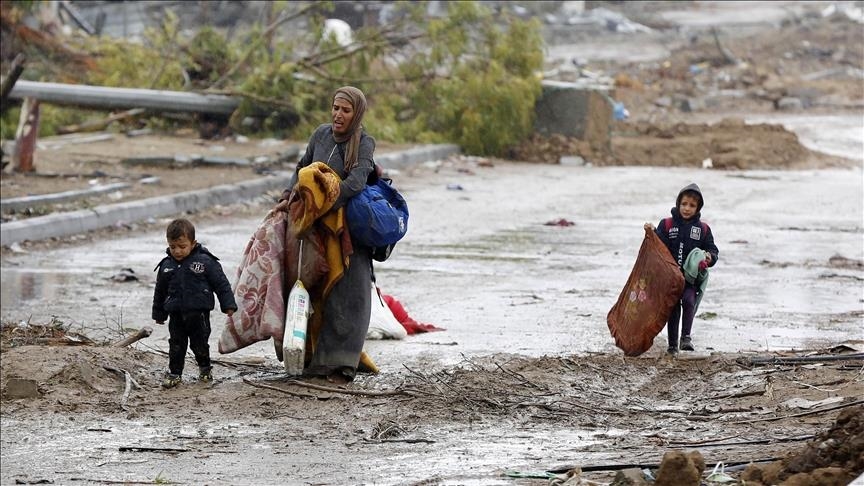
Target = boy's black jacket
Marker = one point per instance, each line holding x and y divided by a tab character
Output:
188	286
682	236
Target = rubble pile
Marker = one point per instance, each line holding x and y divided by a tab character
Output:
834	458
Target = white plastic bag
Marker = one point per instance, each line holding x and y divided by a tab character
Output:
296	319
382	323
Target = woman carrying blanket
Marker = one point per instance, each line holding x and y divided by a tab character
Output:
342	311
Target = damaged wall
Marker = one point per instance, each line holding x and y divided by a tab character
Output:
575	110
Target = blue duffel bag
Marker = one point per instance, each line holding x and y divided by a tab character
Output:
378	217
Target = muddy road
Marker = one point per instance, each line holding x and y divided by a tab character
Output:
481	263
525	377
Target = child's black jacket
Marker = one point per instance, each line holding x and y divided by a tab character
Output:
188	286
681	237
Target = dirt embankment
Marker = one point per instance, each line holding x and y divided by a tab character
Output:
810	64
729	144
730	409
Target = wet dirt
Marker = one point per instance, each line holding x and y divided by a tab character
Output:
525	376
82	161
254	426
832	458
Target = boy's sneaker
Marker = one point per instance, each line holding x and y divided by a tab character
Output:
672	351
687	344
171	381
205	376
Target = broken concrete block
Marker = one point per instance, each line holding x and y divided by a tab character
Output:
21	388
573	110
688	105
571	160
788	103
663	102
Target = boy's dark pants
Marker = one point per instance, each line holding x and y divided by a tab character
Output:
688	304
190	329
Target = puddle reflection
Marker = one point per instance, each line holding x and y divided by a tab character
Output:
20	287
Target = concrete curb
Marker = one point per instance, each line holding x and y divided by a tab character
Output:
82	221
400	160
21	203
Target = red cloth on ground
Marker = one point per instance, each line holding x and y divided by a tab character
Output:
401	315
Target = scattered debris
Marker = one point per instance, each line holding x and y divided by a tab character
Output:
125	275
142	333
559	222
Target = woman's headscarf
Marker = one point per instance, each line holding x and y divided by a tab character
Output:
352	135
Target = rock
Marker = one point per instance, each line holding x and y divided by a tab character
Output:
826	476
663	102
688	105
21	388
629	477
788	103
773	83
679	469
808	96
571	160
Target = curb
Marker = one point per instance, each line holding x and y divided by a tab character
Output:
82	221
21	203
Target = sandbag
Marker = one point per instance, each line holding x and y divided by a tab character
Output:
653	288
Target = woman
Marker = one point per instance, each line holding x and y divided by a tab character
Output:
348	150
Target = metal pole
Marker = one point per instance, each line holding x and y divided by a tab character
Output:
124	98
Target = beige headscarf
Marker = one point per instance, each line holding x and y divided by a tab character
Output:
358	101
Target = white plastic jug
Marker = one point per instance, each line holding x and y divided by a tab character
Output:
296	318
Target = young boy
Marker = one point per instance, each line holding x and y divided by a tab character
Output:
185	283
684	233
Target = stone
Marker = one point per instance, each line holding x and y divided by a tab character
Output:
629	477
787	103
571	160
679	469
572	110
21	388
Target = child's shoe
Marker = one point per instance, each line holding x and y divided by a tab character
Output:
672	351
687	344
205	376
171	381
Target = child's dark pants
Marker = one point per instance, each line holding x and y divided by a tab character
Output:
688	304
190	329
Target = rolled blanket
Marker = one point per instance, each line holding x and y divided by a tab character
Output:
259	288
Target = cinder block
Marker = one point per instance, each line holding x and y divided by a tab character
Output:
574	110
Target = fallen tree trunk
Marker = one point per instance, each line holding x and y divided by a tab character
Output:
9	81
124	98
